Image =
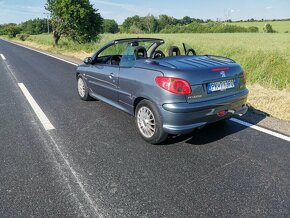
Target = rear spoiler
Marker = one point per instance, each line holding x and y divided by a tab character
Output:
221	58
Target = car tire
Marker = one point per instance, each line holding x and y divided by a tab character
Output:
149	122
83	89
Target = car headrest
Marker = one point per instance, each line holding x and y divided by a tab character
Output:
174	51
140	52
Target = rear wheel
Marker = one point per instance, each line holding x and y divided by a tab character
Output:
149	123
83	89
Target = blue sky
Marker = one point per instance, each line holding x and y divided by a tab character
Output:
20	10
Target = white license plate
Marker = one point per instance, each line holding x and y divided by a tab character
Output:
220	86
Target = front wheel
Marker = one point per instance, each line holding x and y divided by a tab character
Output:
149	123
83	89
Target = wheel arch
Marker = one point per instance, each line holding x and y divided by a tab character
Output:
137	101
77	75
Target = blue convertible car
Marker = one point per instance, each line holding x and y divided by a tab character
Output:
168	94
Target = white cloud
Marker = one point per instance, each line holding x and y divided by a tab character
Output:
269	7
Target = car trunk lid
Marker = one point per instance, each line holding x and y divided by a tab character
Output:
209	76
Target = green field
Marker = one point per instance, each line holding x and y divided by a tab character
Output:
279	26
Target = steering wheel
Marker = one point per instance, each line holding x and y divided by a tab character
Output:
191	50
115	60
158	54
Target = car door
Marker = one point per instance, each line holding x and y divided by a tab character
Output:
103	80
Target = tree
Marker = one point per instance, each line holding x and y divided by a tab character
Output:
35	26
268	28
110	26
186	20
129	22
76	19
150	24
10	29
6	28
165	21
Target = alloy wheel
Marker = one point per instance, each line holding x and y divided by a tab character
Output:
146	122
81	87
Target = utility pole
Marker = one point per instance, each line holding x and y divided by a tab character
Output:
47	14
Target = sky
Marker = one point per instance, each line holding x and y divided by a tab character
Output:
17	11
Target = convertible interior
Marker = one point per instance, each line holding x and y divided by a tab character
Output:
140	52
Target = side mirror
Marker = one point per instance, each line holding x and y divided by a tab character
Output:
88	60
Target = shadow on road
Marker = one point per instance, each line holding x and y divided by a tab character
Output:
216	131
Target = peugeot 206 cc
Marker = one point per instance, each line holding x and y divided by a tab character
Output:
167	94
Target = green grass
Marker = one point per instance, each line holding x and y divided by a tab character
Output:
265	57
279	26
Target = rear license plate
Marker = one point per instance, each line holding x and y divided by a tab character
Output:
220	86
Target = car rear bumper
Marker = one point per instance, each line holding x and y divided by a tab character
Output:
180	118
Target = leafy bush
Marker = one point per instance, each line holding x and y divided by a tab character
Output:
268	28
12	31
35	26
110	26
253	29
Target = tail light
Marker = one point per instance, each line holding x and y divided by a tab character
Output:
222	113
174	85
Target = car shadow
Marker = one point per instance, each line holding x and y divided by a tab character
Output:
216	131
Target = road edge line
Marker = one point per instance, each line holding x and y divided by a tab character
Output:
41	52
37	110
261	129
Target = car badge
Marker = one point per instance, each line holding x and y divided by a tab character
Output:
223	74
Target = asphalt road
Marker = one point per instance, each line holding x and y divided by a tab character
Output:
94	164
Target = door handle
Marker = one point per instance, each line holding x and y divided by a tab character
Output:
111	76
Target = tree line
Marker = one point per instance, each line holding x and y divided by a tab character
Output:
81	22
167	24
39	26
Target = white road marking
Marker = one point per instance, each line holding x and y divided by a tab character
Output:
74	173
258	128
261	129
69	62
3	57
40	114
